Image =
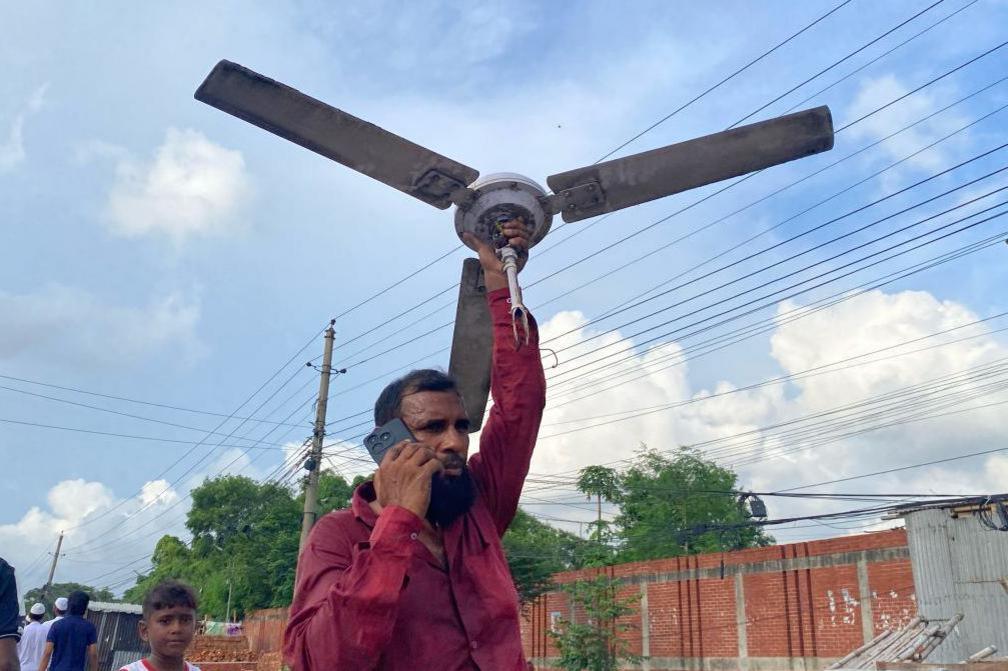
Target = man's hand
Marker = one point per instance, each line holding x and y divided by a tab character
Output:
404	477
517	234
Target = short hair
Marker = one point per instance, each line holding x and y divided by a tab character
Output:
77	602
389	401
36	618
168	594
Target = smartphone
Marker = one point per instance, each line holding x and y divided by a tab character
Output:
385	436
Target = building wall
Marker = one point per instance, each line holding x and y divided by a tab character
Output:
791	606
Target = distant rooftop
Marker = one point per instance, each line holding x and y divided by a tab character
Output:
109	607
965	502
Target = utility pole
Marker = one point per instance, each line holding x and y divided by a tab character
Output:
52	567
314	462
227	611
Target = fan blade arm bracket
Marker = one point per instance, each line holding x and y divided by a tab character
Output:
439	189
583	200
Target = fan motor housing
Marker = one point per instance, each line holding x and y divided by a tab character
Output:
500	197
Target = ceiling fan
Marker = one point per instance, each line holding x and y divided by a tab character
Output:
483	203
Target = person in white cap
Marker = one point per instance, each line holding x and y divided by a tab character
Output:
33	639
60	607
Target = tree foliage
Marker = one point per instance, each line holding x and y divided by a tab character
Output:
597	643
58	589
535	551
599	481
244	537
680	504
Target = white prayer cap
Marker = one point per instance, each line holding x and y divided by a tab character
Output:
38	609
62	603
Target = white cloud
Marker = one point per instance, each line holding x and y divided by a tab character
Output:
467	34
192	187
875	92
73	500
860	325
102	334
102	531
12	150
157	491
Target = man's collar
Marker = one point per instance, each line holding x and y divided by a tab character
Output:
360	503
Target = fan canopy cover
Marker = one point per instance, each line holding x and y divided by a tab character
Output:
500	197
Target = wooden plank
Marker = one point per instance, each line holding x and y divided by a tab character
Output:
922	666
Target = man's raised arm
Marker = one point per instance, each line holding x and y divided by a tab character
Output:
518	388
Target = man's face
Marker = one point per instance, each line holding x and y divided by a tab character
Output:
438	419
169	630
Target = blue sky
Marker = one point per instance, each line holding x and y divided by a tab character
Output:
156	249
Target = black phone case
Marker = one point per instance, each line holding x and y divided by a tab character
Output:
385	436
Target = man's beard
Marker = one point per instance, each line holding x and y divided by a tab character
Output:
451	496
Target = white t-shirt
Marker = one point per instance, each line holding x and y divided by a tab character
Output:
32	645
144	665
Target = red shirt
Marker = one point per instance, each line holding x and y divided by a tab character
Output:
370	595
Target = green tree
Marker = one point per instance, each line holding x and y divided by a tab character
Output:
680	504
595	644
58	589
603	483
535	551
244	541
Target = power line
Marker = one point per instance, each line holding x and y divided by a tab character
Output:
744	242
691	313
723	81
164	472
819	203
111	411
581	229
806	232
836	63
624	419
165	406
765	325
610	246
131	436
922	86
826	368
709	196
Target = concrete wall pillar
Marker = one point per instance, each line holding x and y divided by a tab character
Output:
864	595
740	622
645	627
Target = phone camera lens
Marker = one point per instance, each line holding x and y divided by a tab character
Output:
385	436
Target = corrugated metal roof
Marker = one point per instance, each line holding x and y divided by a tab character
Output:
110	607
945	504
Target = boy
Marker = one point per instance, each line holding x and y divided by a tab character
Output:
168	625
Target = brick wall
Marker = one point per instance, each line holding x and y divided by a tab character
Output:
781	607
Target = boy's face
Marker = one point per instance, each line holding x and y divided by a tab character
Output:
169	630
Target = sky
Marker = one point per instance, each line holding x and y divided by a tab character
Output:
166	270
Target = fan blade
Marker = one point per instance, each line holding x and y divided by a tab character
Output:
335	134
472	344
623	182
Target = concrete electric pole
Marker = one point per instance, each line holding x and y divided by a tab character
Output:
314	461
52	567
